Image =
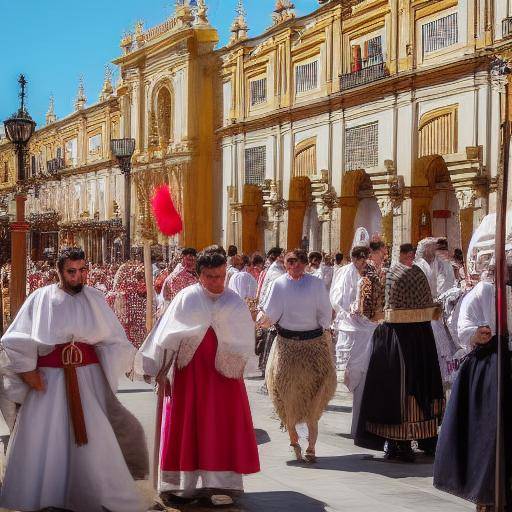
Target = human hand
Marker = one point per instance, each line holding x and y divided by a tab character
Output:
482	335
34	379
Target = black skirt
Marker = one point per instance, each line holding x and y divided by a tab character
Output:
403	363
466	451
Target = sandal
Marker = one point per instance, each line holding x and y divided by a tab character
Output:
310	456
297	449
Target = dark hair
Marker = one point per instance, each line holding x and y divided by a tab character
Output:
377	246
69	253
407	248
315	255
209	259
442	244
246	260
458	255
215	249
338	257
275	252
232	250
257	259
189	251
300	254
360	251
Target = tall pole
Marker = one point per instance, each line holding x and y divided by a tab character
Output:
501	294
127	208
19	229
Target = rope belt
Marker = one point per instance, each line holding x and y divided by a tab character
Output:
299	335
69	357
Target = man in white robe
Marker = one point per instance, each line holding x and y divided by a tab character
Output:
342	295
58	457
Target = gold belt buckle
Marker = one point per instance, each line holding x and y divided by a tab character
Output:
72	355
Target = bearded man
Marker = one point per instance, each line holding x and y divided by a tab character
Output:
63	354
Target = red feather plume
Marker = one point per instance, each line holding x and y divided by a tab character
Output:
167	217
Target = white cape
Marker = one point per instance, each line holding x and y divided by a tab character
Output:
183	326
44	465
477	309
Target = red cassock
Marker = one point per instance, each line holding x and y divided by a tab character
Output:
207	423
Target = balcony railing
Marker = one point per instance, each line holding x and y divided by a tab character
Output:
54	165
364	76
506	25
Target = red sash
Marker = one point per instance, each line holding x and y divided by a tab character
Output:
69	357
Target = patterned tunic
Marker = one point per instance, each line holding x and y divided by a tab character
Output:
370	301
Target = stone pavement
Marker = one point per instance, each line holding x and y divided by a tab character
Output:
345	478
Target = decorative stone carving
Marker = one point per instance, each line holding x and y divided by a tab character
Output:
139	34
127	42
239	27
202	13
81	99
466	198
385	205
284	10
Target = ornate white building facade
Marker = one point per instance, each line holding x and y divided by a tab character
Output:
375	113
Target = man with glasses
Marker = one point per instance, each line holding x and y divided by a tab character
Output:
300	375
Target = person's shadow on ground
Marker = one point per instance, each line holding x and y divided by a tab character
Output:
367	463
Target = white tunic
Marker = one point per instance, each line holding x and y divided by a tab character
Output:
445	276
298	305
274	271
44	466
342	295
243	284
477	309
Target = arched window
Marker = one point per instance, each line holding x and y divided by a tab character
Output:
164	116
305	158
437	134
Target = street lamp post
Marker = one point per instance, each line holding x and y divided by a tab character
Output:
19	128
123	150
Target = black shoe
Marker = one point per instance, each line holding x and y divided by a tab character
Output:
428	446
169	499
390	450
405	453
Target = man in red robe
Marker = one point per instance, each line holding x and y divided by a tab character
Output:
207	436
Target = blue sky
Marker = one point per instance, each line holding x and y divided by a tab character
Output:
53	42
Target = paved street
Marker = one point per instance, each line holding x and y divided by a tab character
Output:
346	478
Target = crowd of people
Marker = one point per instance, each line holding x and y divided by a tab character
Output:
397	333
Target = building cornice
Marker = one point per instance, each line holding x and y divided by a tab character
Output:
395	84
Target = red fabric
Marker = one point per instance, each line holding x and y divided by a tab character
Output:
167	217
54	358
207	423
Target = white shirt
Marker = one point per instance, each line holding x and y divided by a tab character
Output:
343	293
274	271
298	305
445	276
243	284
477	310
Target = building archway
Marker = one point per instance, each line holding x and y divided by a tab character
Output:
299	200
358	208
434	209
252	219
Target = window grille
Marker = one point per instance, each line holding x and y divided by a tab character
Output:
440	33
255	165
306	77
258	91
362	146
